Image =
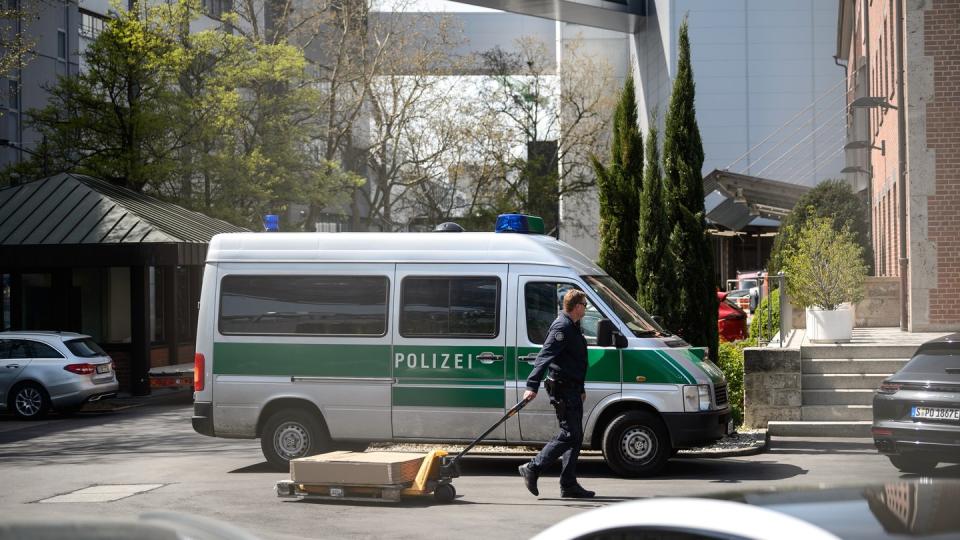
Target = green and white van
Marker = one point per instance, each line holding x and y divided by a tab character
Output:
317	341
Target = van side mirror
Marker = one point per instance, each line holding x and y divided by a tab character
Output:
608	336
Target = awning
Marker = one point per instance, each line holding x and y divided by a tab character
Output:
736	200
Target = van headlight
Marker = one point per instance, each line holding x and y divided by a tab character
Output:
696	397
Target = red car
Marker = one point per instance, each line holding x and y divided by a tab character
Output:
731	320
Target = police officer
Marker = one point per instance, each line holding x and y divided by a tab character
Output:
564	355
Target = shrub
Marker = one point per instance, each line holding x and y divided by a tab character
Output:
831	199
758	326
826	267
730	361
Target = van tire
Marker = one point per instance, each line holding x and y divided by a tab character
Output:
290	434
636	444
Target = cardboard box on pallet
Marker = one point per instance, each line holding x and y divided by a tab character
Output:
356	468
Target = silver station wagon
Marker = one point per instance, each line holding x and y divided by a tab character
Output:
40	371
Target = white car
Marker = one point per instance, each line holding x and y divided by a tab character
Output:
40	371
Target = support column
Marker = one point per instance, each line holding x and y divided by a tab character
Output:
170	282
16	301
139	330
61	281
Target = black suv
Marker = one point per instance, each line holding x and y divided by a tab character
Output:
916	412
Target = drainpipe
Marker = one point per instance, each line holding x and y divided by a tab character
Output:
902	170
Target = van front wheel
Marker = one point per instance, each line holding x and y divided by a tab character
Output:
291	434
636	444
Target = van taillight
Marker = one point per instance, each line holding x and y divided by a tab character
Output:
198	373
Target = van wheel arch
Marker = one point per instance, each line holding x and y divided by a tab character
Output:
280	404
610	413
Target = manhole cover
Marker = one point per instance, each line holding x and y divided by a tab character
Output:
102	493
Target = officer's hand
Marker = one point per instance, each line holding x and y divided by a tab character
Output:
583	396
529	395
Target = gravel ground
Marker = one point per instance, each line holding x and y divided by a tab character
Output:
741	443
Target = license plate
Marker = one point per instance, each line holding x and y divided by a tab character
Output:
935	413
103	368
336	492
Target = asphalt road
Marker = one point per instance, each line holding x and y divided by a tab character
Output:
228	480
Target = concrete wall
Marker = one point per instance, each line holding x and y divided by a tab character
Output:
771	386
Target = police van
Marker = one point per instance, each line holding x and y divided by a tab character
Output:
320	341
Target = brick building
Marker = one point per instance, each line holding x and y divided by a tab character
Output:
903	152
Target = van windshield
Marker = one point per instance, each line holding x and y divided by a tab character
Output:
626	308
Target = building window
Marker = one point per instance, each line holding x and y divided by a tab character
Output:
216	8
13	94
443	307
304	305
61	45
91	24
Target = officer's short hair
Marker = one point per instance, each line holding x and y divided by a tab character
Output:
572	298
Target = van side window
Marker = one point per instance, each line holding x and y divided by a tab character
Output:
465	307
543	302
304	305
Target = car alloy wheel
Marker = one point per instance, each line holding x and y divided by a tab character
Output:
30	402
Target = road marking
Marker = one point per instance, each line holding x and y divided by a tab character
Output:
102	493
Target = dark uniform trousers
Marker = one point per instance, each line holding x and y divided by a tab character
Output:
565	444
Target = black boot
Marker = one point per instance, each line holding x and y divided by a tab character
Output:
576	491
530	476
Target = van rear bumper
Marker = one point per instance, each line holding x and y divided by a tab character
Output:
688	430
203	418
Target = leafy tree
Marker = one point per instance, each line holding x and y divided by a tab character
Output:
653	266
210	119
119	119
15	41
694	314
831	199
826	267
619	185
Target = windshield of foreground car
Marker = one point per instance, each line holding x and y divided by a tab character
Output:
627	309
933	361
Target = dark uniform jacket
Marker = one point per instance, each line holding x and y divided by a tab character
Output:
564	354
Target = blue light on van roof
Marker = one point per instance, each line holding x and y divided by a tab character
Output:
519	223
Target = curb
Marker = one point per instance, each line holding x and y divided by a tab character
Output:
740	452
129	402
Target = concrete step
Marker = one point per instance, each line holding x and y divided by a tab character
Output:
843	351
852	365
832	381
836	413
842	396
819	429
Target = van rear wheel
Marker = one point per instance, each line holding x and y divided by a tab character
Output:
636	444
290	434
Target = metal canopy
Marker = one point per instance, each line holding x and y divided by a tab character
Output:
737	200
619	15
70	209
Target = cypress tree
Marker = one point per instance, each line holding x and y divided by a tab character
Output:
654	271
619	186
694	315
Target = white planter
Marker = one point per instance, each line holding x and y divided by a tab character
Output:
830	326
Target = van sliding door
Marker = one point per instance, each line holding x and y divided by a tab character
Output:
448	353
